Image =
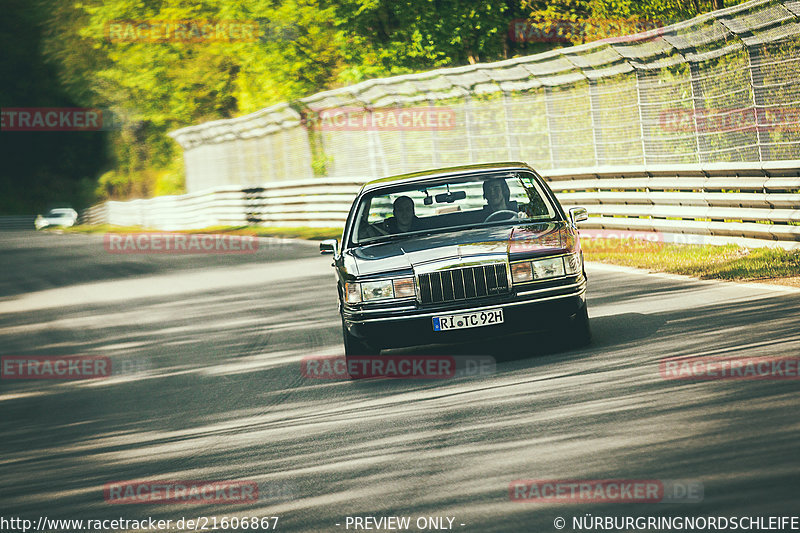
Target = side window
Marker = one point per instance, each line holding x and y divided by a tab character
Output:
518	192
361	226
533	203
380	209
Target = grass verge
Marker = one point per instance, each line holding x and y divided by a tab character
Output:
314	234
728	262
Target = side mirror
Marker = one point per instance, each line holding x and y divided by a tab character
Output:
328	246
578	214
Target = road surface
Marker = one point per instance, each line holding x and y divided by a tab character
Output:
207	386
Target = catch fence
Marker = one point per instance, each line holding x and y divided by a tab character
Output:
722	87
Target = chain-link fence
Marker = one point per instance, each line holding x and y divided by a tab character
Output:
723	87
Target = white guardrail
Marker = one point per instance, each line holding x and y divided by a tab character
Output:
752	204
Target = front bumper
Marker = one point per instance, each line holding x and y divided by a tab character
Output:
524	310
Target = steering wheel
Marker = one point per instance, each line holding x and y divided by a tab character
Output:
370	231
506	212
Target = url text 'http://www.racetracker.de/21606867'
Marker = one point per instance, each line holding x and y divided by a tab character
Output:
194	523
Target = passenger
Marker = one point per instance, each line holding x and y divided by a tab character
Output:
404	219
497	197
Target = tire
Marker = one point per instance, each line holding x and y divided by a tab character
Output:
577	329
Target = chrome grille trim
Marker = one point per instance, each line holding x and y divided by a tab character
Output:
464	283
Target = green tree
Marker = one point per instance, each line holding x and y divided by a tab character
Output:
302	46
40	169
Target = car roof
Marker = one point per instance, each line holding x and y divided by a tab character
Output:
444	172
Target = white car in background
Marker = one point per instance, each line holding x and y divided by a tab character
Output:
63	217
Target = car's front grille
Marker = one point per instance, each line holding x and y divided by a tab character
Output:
463	283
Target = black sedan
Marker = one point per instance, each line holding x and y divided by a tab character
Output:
450	255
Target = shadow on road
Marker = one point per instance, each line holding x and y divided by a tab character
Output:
221	396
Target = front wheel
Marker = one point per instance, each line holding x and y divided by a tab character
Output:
577	330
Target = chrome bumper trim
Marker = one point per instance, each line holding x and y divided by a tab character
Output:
580	292
576	285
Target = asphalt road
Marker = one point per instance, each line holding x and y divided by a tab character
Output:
212	390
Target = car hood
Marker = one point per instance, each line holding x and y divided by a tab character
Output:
530	239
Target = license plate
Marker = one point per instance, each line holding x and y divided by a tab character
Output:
468	320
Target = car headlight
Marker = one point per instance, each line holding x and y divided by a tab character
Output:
521	272
404	288
385	289
352	292
548	268
377	290
551	267
573	264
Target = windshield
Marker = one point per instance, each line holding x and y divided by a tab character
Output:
454	203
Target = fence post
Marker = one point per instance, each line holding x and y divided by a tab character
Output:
287	154
384	165
372	145
435	146
468	119
757	78
548	111
597	133
698	103
508	117
268	159
241	173
640	100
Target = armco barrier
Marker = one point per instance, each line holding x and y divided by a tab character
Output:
302	203
752	204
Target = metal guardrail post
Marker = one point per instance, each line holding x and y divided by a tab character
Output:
253	204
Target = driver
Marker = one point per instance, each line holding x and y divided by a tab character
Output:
497	196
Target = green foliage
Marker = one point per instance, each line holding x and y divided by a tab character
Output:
39	169
301	47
